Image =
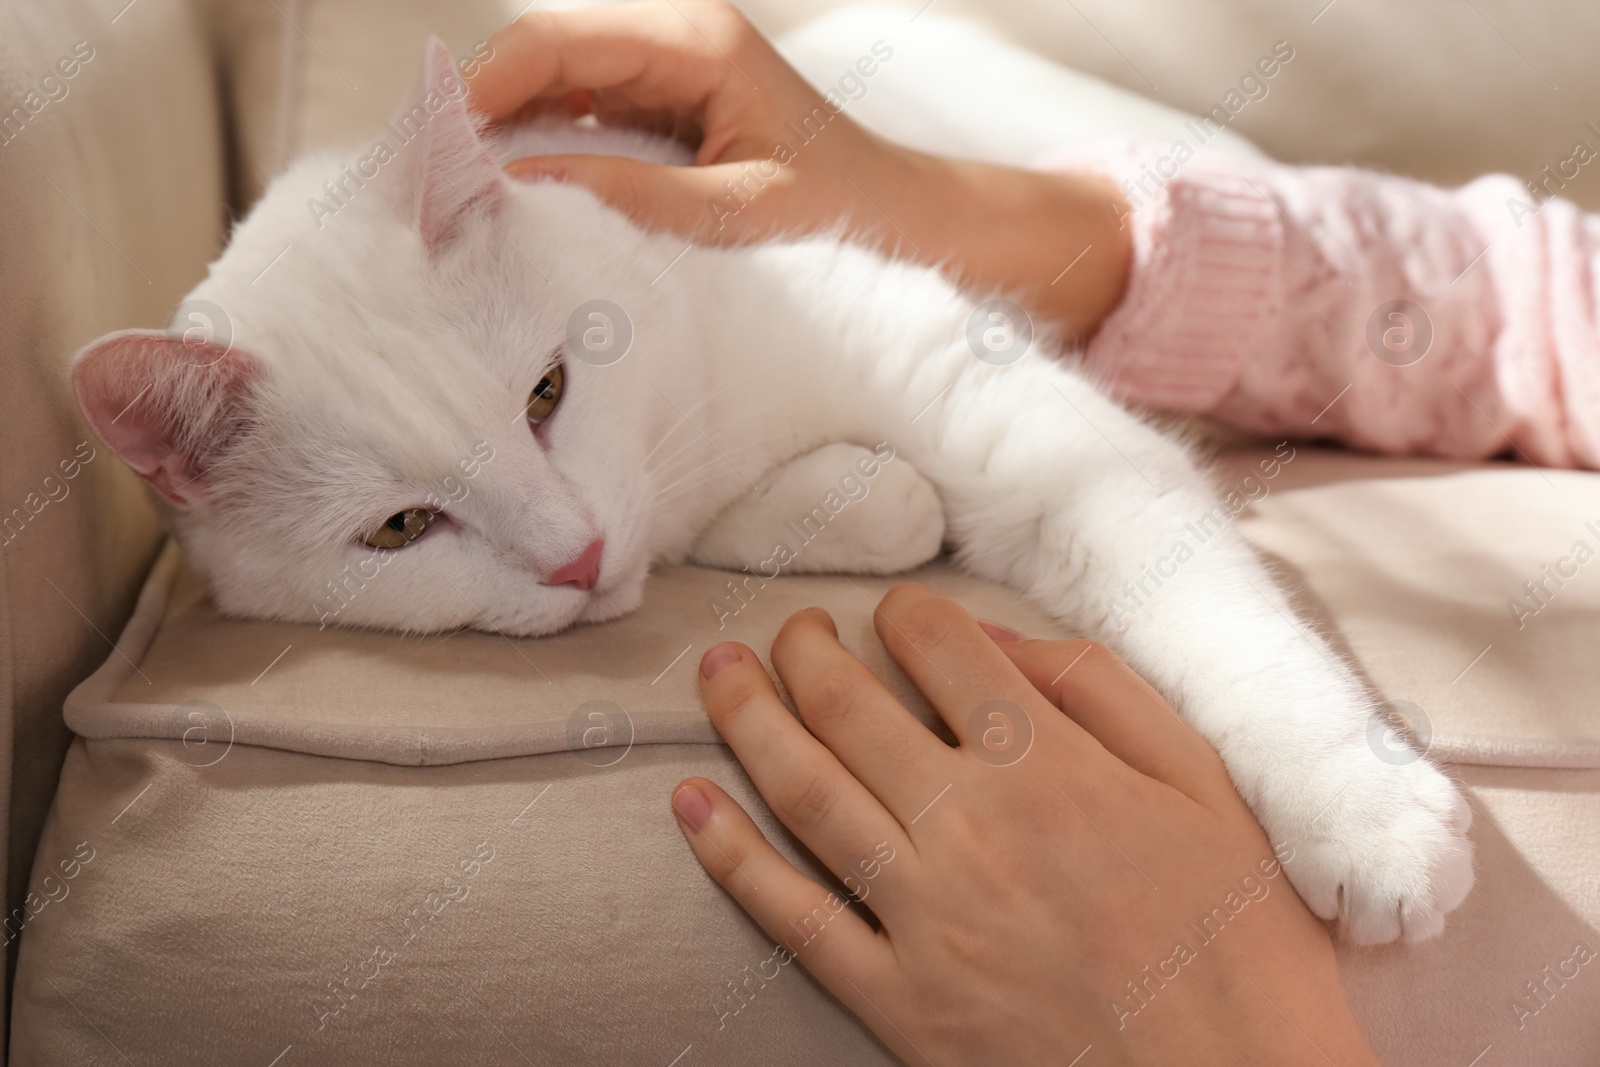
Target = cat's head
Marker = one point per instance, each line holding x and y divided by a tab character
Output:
368	413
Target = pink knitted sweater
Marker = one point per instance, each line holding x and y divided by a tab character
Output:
1267	296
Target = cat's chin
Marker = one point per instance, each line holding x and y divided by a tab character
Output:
608	604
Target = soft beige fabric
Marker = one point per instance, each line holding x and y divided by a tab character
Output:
238	863
1441	92
1416	566
112	198
363	694
222	902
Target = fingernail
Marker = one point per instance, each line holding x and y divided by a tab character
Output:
718	657
692	806
999	632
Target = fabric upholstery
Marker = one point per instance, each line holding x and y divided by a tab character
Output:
267	804
112	181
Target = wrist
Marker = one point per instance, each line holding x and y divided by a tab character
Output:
1054	241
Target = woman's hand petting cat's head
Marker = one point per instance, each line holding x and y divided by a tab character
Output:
777	157
702	72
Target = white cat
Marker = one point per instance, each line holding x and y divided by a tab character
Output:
414	377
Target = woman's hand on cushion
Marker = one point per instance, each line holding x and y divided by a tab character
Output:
1078	872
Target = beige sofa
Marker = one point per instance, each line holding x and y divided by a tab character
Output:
215	901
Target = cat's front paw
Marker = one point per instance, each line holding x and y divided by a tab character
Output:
1379	844
841	509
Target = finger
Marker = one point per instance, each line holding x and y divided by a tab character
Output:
1105	696
571	105
693	202
653	54
815	925
810	792
969	681
848	709
613	110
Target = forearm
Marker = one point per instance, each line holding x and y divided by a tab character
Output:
1052	241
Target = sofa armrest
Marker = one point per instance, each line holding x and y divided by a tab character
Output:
113	178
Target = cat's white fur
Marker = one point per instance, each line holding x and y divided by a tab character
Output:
399	337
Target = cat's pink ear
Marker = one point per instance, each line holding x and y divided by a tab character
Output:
166	405
443	171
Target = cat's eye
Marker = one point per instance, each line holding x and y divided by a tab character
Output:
547	394
401	528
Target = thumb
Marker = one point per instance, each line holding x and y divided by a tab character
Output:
695	202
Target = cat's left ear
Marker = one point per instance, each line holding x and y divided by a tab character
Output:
167	405
443	172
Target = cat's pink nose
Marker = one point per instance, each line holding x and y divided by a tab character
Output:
582	572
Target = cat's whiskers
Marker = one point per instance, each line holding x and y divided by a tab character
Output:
667	477
681	486
700	475
682	489
697	443
685	413
728	429
720	461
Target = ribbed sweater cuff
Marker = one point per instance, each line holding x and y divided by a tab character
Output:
1202	288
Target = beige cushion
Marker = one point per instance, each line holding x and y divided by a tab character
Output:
1416	561
242	861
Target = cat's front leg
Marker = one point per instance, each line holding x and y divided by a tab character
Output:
842	509
1056	491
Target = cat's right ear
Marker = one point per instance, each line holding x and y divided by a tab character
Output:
166	405
443	172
